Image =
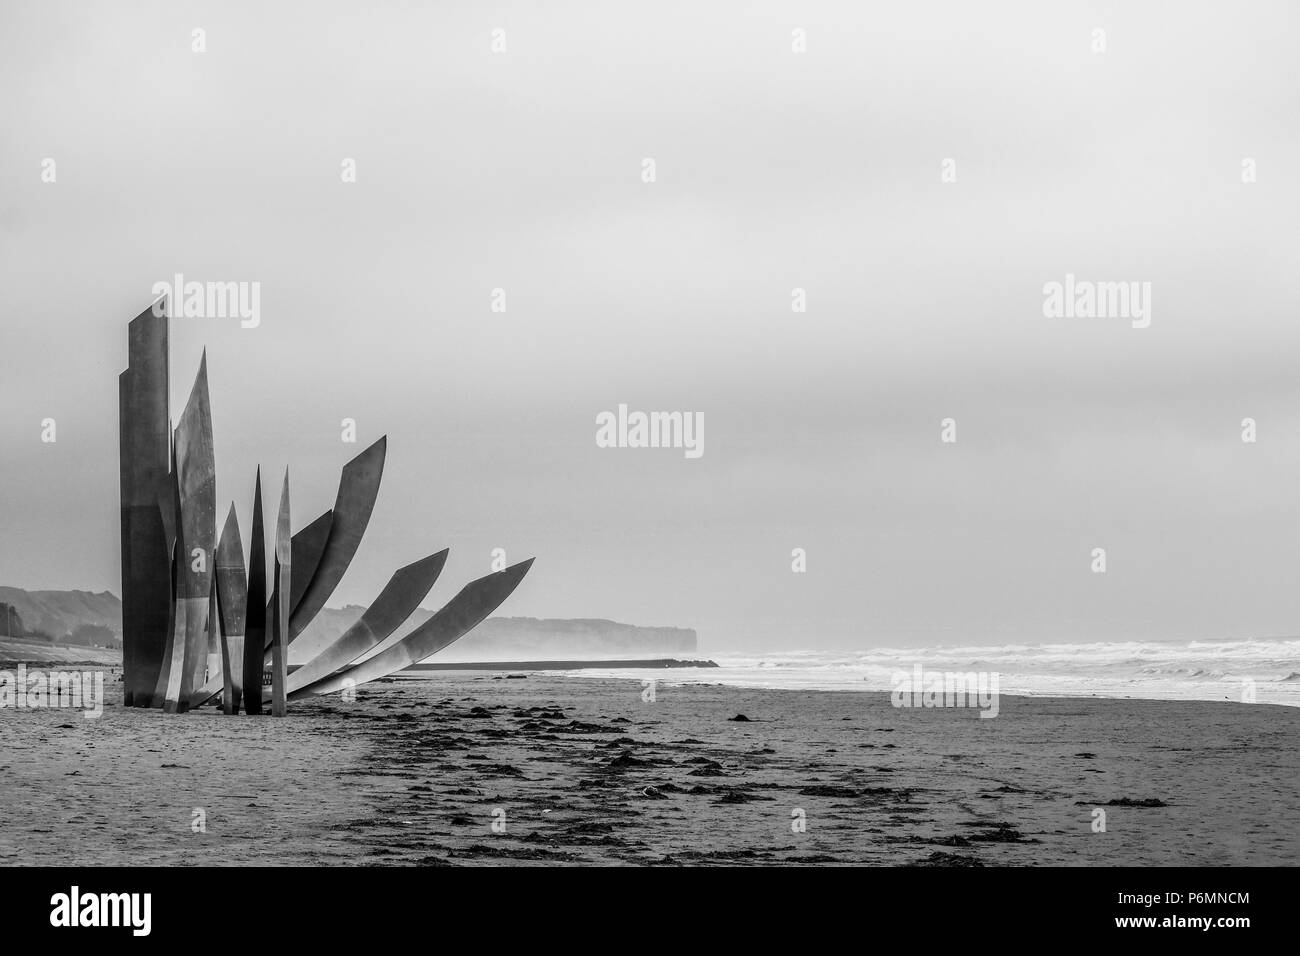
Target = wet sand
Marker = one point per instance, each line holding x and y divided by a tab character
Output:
579	770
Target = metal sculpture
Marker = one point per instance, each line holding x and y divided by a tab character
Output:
196	625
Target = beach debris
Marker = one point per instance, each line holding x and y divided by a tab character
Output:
581	727
541	713
626	759
955	840
706	768
828	790
739	718
736	796
500	770
1130	802
588	828
1001	833
939	858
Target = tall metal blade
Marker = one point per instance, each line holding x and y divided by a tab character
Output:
168	508
144	458
255	638
397	602
232	613
280	620
169	514
212	664
358	488
465	611
168	690
197	481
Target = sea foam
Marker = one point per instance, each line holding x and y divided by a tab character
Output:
1260	671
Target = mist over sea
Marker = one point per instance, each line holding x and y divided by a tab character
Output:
1195	670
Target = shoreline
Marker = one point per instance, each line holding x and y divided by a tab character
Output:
562	665
417	672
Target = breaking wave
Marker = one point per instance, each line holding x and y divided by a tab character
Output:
1158	670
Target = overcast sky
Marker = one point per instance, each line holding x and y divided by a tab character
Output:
821	170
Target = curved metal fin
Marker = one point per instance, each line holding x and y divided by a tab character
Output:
358	489
397	602
465	611
308	546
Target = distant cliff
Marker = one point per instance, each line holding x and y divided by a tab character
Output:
520	638
67	617
84	618
530	638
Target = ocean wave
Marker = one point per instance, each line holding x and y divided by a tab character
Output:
1211	670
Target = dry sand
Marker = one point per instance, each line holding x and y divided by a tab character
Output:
585	771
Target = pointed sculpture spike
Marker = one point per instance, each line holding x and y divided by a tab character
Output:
196	480
464	612
280	620
232	613
255	638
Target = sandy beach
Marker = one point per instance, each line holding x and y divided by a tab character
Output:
475	768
